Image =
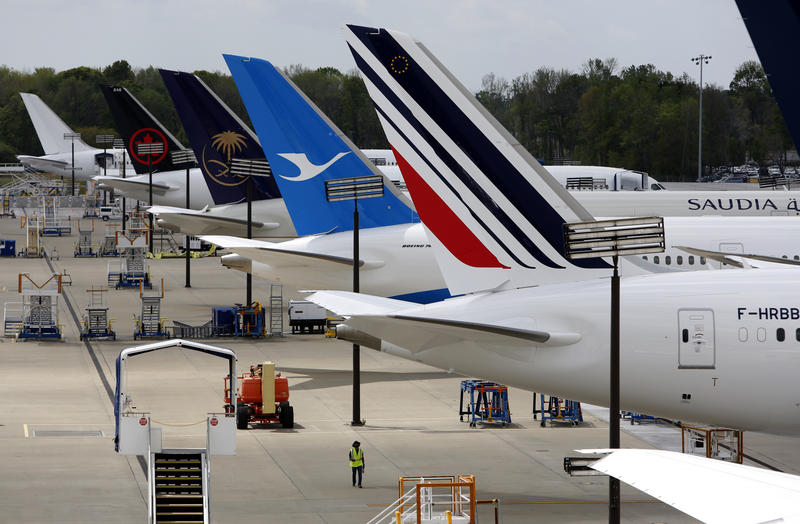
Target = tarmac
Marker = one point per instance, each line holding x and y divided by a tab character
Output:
57	422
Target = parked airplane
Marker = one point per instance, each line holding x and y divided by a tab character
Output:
695	346
57	158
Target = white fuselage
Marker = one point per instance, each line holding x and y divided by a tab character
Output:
688	203
399	259
733	371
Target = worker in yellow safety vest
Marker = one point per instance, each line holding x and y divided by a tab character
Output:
356	457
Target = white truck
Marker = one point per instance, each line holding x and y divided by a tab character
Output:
306	316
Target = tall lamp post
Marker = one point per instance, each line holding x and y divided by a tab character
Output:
105	141
186	156
72	137
150	149
614	238
250	167
354	188
700	60
120	144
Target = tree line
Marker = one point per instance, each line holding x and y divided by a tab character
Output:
636	117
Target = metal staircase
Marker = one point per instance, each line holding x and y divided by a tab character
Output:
179	486
276	309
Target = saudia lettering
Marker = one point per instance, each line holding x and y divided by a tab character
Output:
769	313
740	204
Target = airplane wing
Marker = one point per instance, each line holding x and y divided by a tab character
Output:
411	327
707	489
276	256
733	259
122	184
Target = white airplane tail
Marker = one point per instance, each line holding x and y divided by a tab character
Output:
495	214
49	127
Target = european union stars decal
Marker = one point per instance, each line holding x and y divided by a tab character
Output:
399	64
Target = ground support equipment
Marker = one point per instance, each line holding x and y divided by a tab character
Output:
263	397
488	403
96	323
556	409
637	417
39	307
84	247
132	270
150	323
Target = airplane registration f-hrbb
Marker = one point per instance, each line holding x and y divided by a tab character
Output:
696	346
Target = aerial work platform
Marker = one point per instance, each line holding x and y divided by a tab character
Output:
96	323
39	319
84	246
131	270
150	323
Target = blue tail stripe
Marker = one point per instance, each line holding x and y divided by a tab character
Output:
299	144
215	135
425	297
475	144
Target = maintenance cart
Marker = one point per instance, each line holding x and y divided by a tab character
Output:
488	403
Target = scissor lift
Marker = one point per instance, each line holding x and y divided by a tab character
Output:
39	307
133	271
150	323
108	248
84	246
96	323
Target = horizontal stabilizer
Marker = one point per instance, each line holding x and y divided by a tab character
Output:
41	163
733	259
709	490
123	184
408	325
277	256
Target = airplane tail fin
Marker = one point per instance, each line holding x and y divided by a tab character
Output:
773	27
217	135
487	202
305	148
138	126
49	127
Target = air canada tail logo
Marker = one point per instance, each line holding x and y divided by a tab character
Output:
148	146
217	155
308	169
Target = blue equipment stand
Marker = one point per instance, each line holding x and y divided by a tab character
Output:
488	403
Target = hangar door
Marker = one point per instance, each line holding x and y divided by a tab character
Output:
696	347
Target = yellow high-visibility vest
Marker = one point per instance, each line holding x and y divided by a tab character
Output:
356	457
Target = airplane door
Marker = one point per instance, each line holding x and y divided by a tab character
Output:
730	247
696	347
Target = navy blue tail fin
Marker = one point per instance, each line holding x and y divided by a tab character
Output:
217	135
773	28
138	126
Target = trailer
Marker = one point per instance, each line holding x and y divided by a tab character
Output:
263	397
307	316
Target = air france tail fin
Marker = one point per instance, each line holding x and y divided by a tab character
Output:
773	28
49	127
480	193
304	149
138	126
217	135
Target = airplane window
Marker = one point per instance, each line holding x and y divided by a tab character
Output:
797	334
691	260
685	335
796	257
785	256
702	260
667	260
761	334
645	257
679	260
655	259
743	334
780	335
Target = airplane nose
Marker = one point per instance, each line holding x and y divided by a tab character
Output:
237	262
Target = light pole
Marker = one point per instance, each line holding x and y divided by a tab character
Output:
700	60
353	188
614	238
250	167
105	141
120	144
150	149
179	157
72	137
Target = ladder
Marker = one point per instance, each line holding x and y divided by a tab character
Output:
276	309
12	318
179	482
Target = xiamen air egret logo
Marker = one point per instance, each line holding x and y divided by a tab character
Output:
308	169
216	159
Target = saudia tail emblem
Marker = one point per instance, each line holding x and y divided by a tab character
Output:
217	166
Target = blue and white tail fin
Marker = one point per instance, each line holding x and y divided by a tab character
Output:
49	127
217	135
305	148
138	126
488	202
773	28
